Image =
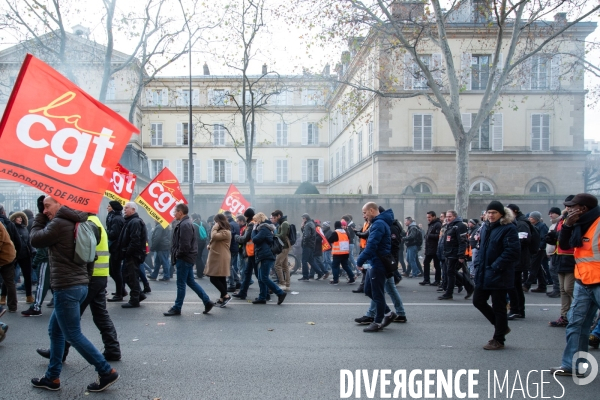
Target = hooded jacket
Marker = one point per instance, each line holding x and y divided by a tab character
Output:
498	254
58	235
432	237
380	240
309	231
455	239
262	237
12	232
7	248
26	250
235	230
184	245
133	238
114	226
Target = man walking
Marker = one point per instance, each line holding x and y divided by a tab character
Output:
412	241
161	244
184	249
234	277
309	232
431	244
537	271
114	225
499	251
132	247
455	245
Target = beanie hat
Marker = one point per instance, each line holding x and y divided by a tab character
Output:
474	221
326	224
497	206
249	213
337	225
514	207
536	215
305	215
555	210
116	205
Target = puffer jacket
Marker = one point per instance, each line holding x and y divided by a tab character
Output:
262	237
114	226
499	251
432	237
185	246
455	239
161	238
58	234
309	231
133	238
26	247
380	240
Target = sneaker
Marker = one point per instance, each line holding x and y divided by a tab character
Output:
562	322
3	329
553	295
373	327
594	341
364	320
303	279
326	275
225	301
166	279
444	297
207	307
387	319
150	278
493	345
563	372
513	316
31	312
172	311
400	318
425	283
333	283
46	383
104	381
281	297
352	282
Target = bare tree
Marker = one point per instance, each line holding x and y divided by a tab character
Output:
399	31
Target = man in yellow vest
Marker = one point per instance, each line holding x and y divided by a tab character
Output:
98	272
581	231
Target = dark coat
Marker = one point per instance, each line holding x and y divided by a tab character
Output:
161	238
432	237
26	250
133	238
12	232
309	231
235	230
58	236
245	238
543	229
455	239
114	226
498	254
262	237
411	238
525	257
184	245
380	240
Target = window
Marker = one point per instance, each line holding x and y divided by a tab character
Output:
282	134
157	97
419	78
344	157
480	71
217	97
281	169
249	129
481	187
540	132
422	131
284	98
156	166
540	188
219	170
481	141
539	72
370	138
185	97
111	89
360	145
422	188
183	134
255	171
312	170
156	134
312	97
185	170
218	135
351	152
310	133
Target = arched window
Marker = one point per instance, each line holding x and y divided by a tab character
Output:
370	189
359	191
539	187
481	187
422	188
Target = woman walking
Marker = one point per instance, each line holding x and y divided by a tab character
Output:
219	257
262	237
24	256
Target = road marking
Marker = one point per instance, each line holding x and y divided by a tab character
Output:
349	304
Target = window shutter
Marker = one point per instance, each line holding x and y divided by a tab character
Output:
427	132
321	170
165	164
179	141
285	134
436	68
228	171
211	97
284	171
304	134
304	170
497	132
545	131
555	72
466	121
315	128
259	171
180	101
417	132
465	63
197	171
535	132
210	171
165	97
242	171
149	97
195	97
179	172
408	71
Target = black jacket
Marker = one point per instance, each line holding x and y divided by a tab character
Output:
411	235
241	240
525	256
235	230
184	245
26	248
114	225
455	239
432	237
262	237
308	235
161	238
12	232
133	238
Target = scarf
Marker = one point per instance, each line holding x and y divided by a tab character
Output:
582	225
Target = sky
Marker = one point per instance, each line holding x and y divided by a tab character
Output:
281	45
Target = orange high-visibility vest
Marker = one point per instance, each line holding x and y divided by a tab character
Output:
325	246
249	245
363	242
560	251
342	246
587	257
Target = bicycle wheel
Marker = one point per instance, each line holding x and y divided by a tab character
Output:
293	264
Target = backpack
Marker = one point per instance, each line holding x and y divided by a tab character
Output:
85	243
397	234
292	235
277	246
534	243
202	231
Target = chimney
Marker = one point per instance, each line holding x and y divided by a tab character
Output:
264	69
407	10
560	17
340	71
326	70
205	68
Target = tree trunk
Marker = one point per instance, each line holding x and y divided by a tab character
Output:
462	177
110	12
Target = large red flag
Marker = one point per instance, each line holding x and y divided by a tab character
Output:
234	201
121	185
59	139
161	196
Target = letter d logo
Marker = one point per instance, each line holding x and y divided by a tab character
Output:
591	365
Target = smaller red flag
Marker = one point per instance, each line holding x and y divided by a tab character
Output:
121	185
161	196
234	201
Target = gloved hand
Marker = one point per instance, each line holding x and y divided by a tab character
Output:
40	203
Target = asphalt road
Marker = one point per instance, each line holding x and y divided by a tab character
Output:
268	351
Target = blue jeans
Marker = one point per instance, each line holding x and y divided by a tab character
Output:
185	276
161	258
241	263
264	268
392	291
412	256
335	268
308	257
247	280
64	325
351	260
327	260
586	301
318	266
596	331
374	289
234	273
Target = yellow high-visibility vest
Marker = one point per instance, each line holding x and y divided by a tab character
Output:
101	264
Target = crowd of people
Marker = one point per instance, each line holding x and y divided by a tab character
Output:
499	256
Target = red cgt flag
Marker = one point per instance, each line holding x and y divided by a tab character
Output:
161	196
59	139
121	185
234	201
